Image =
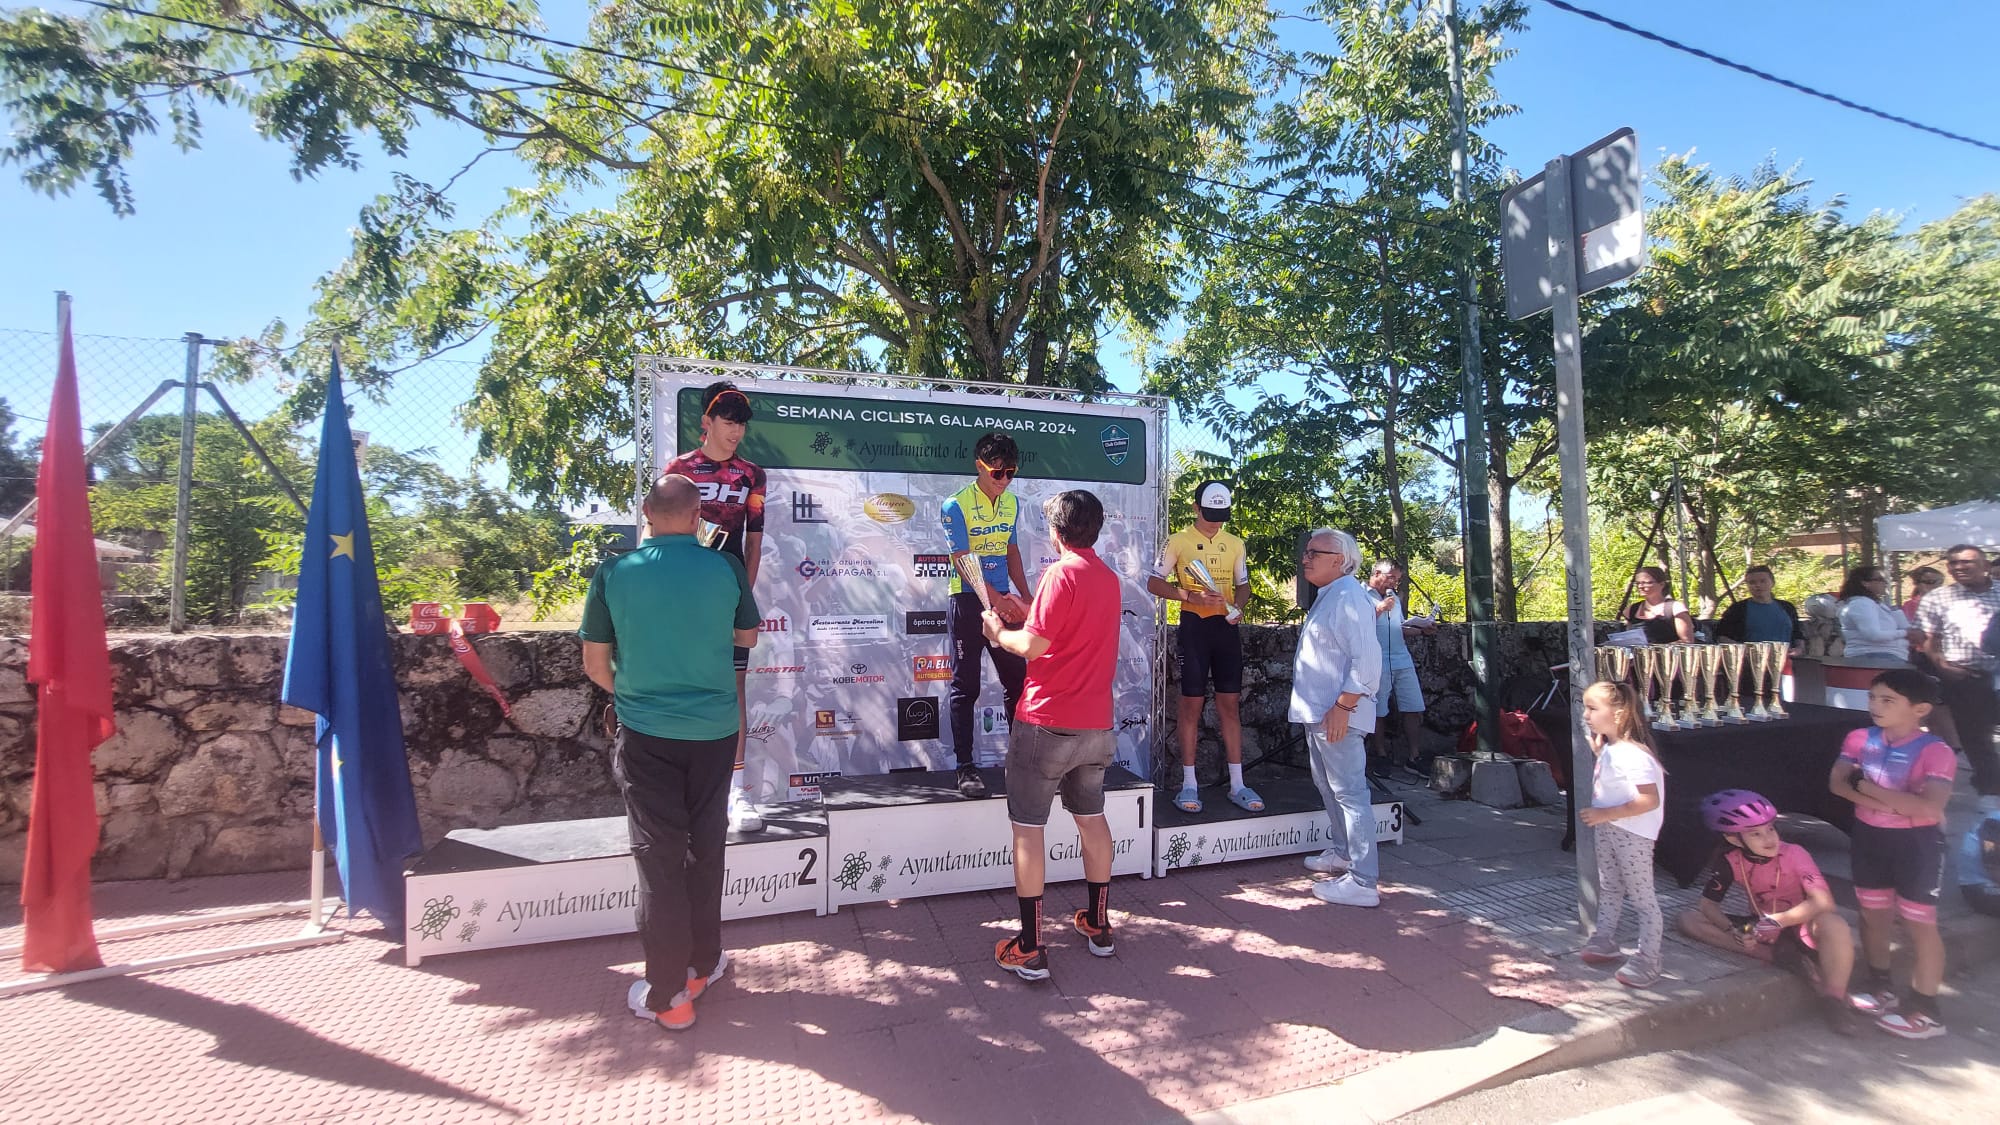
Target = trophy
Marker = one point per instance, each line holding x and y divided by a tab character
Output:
1779	650
1708	662
1732	682
711	535
1758	659
1643	659
1666	668
1614	664
1201	574
969	574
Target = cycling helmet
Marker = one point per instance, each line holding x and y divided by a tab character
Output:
1736	810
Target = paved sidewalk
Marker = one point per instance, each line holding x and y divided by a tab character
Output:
1233	993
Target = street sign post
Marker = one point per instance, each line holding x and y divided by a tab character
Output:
1549	266
1605	209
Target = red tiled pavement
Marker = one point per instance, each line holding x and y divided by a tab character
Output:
1231	983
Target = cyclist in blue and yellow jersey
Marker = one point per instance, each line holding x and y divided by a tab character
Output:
1207	570
980	520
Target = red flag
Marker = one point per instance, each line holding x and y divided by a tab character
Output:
68	661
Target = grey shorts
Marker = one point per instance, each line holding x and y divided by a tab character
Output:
1044	761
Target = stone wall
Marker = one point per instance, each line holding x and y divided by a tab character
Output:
1523	655
209	774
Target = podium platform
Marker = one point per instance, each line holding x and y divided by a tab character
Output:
1293	822
866	839
907	835
485	888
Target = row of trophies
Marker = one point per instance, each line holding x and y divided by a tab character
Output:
1710	678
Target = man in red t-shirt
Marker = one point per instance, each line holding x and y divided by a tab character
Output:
1060	740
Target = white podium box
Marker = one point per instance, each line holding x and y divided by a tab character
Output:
1294	821
488	888
908	835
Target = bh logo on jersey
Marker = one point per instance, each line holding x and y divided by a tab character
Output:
716	492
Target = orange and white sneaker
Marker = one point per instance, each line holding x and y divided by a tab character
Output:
677	1016
1099	937
1028	966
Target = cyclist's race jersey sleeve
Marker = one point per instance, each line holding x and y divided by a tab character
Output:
984	527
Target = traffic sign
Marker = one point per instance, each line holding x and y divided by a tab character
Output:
1606	205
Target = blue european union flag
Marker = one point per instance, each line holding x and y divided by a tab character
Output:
339	666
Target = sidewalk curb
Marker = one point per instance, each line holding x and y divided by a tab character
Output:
1578	1034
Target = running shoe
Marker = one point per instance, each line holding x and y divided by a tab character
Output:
743	816
1344	891
698	984
1098	936
1591	956
1911	1025
970	785
1880	1002
1635	976
677	1016
1328	862
1028	966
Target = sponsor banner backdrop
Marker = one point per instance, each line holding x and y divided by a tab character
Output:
850	674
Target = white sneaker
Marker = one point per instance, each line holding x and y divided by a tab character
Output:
1328	862
1344	891
743	816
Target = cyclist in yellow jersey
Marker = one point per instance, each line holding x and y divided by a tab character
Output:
1208	570
980	521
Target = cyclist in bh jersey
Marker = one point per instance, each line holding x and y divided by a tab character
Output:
980	521
732	499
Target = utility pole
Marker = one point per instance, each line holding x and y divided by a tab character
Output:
1472	394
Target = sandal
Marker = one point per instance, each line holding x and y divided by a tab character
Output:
1246	799
1189	801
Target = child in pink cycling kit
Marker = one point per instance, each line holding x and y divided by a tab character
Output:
1899	778
1792	922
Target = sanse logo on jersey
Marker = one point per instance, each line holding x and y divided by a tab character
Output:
715	492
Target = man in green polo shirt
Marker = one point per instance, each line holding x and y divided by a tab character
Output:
658	630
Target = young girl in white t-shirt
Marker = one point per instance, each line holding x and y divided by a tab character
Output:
1625	797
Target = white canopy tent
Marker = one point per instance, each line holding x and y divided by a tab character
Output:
1977	523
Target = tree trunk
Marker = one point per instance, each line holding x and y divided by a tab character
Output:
1042	318
1391	472
1500	511
1392	476
1500	506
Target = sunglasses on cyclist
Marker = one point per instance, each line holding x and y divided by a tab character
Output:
998	472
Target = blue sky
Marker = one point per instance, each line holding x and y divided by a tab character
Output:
225	240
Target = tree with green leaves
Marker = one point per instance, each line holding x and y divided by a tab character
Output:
1335	300
1775	354
937	189
233	505
18	466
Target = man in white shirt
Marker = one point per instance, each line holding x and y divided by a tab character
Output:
1335	677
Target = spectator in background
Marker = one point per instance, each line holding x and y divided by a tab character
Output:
1399	668
1760	617
1664	619
1871	627
1923	580
1954	619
